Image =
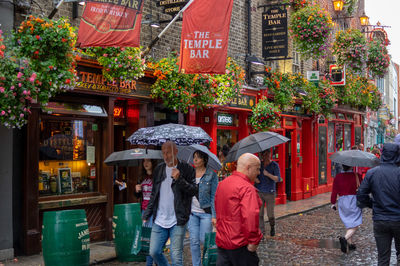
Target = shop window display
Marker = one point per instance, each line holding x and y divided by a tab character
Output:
67	163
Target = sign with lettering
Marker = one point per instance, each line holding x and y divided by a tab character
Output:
244	101
110	23
224	119
172	7
204	37
91	79
380	34
274	32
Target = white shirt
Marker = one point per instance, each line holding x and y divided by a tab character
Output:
166	217
195	202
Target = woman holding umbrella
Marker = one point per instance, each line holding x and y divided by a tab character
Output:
202	216
345	185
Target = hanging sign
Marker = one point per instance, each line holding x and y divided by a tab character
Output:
224	119
274	32
110	23
380	34
172	7
337	75
205	35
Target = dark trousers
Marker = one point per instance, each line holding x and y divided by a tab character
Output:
384	232
237	257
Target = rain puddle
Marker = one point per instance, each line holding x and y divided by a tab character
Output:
315	243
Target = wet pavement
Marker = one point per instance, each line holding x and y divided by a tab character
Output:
311	238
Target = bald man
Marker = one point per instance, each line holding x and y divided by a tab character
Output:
170	205
237	207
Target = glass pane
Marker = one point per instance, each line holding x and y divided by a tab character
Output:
347	137
67	162
322	169
75	108
339	137
331	137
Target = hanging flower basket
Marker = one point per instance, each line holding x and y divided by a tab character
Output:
2	46
36	64
183	91
378	58
279	84
309	95
265	115
119	62
48	45
350	49
359	93
310	28
327	97
297	4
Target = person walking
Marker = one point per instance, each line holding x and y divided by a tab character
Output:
237	207
202	217
143	191
345	186
266	187
170	205
383	182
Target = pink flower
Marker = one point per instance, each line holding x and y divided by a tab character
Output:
21	115
3	112
33	77
19	75
1	89
20	85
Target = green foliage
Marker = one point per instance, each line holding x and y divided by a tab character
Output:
378	58
36	64
350	49
122	63
310	28
280	85
180	91
265	115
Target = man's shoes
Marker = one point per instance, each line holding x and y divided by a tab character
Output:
352	247
343	245
272	232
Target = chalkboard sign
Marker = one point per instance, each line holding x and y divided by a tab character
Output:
64	180
274	33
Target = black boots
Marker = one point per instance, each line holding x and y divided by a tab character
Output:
272	224
344	247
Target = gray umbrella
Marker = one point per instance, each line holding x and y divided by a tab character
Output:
180	134
186	154
355	158
254	143
131	157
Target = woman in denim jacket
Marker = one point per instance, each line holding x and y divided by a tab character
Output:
202	217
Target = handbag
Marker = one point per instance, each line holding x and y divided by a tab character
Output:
210	251
145	240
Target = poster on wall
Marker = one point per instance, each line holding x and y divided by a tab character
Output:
64	180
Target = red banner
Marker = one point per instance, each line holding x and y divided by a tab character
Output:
205	34
111	23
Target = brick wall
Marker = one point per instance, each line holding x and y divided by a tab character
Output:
237	47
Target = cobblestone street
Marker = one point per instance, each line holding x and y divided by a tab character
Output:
312	239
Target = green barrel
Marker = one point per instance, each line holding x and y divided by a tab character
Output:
127	223
65	238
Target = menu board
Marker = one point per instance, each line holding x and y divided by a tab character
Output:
64	180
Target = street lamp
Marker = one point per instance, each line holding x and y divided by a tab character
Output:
364	19
338	5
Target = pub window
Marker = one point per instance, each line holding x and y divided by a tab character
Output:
340	116
296	66
331	137
67	160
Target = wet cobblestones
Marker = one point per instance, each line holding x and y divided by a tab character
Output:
312	239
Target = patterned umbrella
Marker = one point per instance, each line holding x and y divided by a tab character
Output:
180	134
254	143
131	157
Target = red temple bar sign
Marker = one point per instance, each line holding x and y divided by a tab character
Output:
205	34
110	23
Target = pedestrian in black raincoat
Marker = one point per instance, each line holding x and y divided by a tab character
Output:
383	182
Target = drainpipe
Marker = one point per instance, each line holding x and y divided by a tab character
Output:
248	64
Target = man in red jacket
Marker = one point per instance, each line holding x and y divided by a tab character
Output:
237	207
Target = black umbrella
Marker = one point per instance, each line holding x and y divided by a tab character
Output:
186	154
355	158
180	134
131	157
254	143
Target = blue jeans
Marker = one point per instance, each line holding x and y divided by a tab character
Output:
199	224
149	223
159	237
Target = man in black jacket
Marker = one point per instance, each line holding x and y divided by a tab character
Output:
383	182
170	204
